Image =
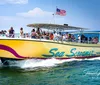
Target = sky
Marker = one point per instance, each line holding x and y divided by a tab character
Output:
20	13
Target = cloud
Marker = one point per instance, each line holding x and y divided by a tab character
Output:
13	1
36	12
36	15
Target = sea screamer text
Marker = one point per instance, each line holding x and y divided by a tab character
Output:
54	52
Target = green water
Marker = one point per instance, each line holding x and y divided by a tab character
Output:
68	73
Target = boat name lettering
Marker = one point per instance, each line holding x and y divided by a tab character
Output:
54	52
74	52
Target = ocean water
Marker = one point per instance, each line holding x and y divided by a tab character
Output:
51	72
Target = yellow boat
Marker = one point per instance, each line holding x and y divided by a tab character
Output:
28	48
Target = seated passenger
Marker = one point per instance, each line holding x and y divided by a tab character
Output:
86	40
70	37
43	35
67	36
27	35
55	36
33	34
47	35
3	33
64	37
95	40
79	39
82	38
60	36
73	38
90	40
51	36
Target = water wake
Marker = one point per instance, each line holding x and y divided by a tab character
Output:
38	63
33	63
44	63
96	58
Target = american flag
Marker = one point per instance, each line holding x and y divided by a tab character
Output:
60	12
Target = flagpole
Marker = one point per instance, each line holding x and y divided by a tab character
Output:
53	17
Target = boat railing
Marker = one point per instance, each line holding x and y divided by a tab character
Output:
59	40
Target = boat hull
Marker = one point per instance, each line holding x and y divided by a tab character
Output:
43	49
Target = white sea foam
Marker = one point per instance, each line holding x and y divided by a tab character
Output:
33	63
96	58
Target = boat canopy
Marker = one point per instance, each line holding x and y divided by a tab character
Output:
55	26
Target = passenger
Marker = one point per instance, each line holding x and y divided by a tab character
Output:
70	38
79	39
39	31
90	40
67	36
60	36
73	38
33	33
27	35
21	32
95	40
47	35
64	37
51	36
86	40
82	38
55	36
11	32
5	33
2	32
44	35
